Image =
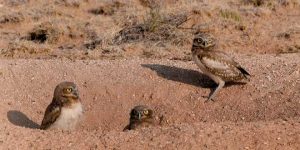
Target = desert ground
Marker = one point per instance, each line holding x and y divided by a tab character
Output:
132	52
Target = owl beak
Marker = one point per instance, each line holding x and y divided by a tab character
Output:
140	116
76	94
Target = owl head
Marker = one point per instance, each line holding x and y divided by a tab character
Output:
66	92
203	41
141	113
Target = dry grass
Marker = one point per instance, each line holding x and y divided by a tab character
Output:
231	15
289	49
108	9
21	49
68	3
12	18
255	2
272	4
157	27
152	4
45	32
154	20
97	29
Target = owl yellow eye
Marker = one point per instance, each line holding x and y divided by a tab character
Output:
200	40
69	90
146	112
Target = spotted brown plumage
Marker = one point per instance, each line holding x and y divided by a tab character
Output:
52	113
218	65
65	110
140	117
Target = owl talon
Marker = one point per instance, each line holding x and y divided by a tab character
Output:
209	99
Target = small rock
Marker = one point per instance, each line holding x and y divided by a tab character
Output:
269	78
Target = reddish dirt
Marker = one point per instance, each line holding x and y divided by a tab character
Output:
43	43
261	114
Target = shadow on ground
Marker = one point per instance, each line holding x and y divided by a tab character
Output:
20	119
187	76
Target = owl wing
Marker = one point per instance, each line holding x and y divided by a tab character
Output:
220	63
52	113
233	62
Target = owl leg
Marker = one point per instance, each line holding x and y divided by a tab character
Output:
221	84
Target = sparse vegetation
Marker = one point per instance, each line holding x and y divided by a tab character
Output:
16	2
108	9
229	14
156	27
152	4
45	32
12	18
129	34
102	11
271	3
289	49
154	21
21	49
289	33
68	3
93	43
90	29
289	2
255	2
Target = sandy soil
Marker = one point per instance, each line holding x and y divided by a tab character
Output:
263	114
123	53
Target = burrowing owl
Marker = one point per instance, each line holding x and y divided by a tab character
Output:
219	66
65	110
140	117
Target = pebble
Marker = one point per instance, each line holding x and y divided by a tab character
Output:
269	78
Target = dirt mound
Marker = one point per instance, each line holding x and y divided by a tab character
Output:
266	109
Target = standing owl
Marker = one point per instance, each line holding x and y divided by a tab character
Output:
217	65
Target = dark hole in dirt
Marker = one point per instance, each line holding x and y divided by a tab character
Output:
38	36
256	3
108	9
102	11
93	40
284	35
45	32
92	44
